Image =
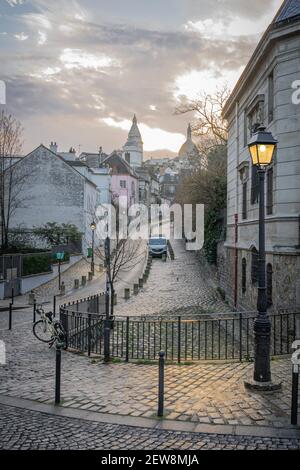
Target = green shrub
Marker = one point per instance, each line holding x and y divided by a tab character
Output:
36	264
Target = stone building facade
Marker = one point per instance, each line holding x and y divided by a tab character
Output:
263	95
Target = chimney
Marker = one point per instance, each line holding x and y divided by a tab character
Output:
53	147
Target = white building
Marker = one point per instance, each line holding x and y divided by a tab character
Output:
133	150
263	95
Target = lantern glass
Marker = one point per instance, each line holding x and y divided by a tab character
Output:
262	154
262	147
93	226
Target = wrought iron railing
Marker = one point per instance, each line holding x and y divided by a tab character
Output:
182	338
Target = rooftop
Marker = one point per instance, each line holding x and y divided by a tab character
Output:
290	9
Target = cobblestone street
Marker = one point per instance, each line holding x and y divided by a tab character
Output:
176	286
198	394
24	430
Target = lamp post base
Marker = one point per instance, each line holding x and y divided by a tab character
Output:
254	386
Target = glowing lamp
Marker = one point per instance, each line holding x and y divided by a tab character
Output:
262	148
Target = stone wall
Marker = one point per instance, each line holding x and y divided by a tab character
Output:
285	285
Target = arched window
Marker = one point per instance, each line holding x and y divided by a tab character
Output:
127	157
244	275
254	265
269	285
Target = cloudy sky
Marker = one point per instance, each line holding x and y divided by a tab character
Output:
77	70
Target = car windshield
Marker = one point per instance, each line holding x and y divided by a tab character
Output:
158	241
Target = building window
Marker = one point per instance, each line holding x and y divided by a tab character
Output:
256	116
244	275
271	97
245	205
123	184
127	157
254	266
269	285
270	191
244	177
254	185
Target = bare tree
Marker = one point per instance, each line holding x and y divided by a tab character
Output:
125	255
210	126
12	178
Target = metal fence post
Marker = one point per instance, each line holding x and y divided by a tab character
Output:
161	384
179	340
295	390
57	375
10	317
127	339
12	295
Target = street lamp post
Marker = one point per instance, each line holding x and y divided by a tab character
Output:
93	228
107	296
262	147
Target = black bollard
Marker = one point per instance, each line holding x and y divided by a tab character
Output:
57	375
295	391
54	306
10	317
161	384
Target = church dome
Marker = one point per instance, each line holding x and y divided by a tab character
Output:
188	149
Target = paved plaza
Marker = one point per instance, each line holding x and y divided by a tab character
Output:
199	394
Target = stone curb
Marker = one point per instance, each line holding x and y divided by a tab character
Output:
167	425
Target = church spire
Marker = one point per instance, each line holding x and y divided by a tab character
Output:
134	120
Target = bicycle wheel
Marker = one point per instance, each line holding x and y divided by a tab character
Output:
41	332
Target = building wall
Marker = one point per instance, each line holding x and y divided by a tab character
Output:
53	192
103	182
282	227
285	285
136	155
131	191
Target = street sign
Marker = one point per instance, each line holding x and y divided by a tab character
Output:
60	256
90	252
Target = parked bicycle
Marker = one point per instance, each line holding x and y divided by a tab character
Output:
48	330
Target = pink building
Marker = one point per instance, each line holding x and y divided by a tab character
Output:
124	180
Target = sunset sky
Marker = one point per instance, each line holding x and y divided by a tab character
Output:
77	71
